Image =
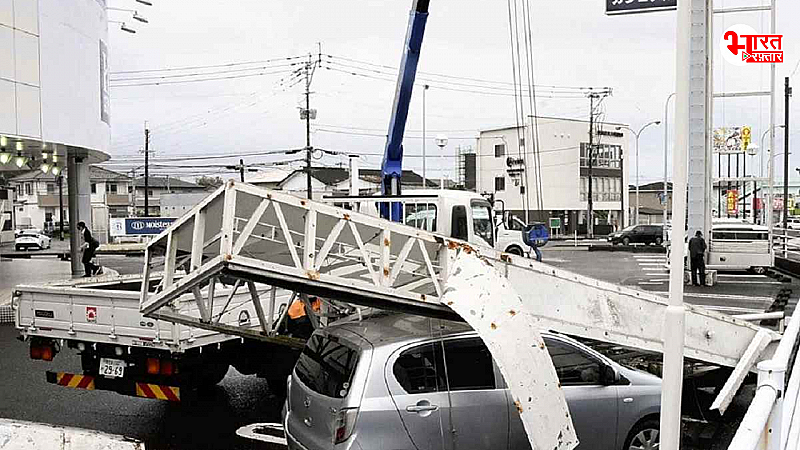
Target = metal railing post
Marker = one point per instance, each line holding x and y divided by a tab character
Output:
772	375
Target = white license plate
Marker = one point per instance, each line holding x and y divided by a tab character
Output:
112	368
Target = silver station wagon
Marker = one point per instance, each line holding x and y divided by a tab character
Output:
394	381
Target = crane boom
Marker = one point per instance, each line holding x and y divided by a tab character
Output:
392	165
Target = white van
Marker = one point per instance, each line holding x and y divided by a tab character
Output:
739	246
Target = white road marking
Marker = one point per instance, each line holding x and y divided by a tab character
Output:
651	282
749	282
658	274
733	275
651	265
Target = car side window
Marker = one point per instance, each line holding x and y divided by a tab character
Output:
469	365
420	370
573	367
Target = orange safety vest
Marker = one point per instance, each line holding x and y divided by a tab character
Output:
298	308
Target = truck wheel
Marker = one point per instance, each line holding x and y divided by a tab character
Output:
626	241
659	241
514	250
208	376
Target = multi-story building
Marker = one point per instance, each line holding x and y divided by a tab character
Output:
507	163
651	202
158	186
37	197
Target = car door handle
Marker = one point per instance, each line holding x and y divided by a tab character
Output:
422	406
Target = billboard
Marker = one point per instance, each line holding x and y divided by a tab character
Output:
733	201
731	140
139	226
639	6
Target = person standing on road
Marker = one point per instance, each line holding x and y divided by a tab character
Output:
697	255
89	247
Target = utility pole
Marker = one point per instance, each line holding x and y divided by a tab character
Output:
241	169
308	127
788	95
60	180
146	170
590	154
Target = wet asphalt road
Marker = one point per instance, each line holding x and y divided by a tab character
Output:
210	422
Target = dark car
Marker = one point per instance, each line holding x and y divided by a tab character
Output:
638	234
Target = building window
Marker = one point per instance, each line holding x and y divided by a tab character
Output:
606	156
28	188
499	150
94	188
130	189
51	188
112	188
149	192
499	184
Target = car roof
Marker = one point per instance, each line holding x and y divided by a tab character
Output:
384	328
381	328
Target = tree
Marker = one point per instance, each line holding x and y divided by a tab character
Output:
209	182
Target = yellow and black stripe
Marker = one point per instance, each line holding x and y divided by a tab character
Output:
169	393
71	380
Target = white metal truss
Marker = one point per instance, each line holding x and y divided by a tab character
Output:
256	235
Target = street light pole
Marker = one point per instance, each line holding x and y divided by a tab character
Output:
424	174
637	134
441	141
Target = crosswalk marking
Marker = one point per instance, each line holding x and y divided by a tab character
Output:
650	282
748	282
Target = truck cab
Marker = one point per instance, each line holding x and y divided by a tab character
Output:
457	214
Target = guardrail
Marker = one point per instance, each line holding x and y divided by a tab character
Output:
786	243
757	317
772	421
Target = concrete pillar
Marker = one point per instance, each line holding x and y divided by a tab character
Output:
74	217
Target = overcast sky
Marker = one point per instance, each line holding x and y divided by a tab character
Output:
574	43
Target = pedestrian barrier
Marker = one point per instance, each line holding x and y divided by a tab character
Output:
772	421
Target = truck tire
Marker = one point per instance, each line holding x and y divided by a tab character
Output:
515	250
209	375
626	241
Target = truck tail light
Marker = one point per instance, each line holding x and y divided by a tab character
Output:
344	424
153	366
167	367
42	350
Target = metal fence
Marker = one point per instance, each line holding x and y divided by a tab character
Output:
772	421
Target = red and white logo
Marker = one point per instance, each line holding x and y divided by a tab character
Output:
91	314
740	45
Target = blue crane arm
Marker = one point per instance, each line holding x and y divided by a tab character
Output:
392	166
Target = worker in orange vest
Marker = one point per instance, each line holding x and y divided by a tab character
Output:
299	325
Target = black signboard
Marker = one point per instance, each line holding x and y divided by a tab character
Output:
639	6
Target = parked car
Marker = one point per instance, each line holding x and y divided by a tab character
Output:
792	223
31	238
401	382
638	234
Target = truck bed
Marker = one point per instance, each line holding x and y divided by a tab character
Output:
107	311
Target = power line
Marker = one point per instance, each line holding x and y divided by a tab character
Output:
195	74
212	66
232	77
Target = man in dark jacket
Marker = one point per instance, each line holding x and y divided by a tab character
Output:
697	255
90	245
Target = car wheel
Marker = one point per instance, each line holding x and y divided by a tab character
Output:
659	241
626	241
759	270
515	251
643	436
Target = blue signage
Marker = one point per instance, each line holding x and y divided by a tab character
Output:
147	225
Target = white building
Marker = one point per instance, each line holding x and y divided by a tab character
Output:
159	186
506	167
37	198
336	180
